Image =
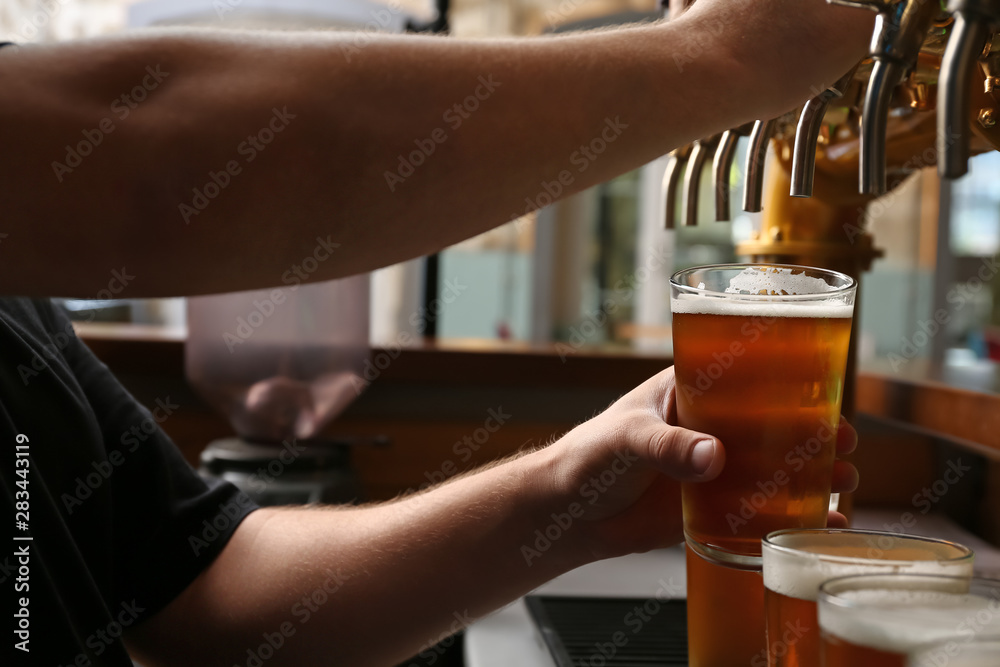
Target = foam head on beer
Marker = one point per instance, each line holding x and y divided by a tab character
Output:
773	283
979	652
893	616
797	563
897	621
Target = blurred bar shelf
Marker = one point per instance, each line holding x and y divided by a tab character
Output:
957	402
149	350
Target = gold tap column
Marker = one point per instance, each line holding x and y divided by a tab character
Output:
816	232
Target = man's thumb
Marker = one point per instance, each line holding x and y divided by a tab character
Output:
688	456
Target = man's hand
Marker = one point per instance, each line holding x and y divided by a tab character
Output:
791	50
637	445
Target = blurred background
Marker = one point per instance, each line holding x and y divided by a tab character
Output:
550	317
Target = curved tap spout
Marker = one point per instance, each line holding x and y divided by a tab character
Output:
807	136
692	179
677	159
753	187
886	75
966	43
722	165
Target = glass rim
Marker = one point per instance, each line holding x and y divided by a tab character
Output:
828	598
968	554
851	283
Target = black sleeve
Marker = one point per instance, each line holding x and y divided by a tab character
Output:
167	522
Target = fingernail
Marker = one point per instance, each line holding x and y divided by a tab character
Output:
702	456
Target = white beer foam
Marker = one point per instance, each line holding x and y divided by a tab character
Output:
818	557
696	304
900	621
960	654
774	280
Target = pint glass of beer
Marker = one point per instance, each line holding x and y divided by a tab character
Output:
975	652
759	355
797	562
883	619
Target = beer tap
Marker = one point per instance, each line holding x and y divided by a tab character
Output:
700	151
899	32
807	136
677	158
753	187
973	19
722	166
676	161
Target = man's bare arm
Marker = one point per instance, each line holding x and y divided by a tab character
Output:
504	117
374	585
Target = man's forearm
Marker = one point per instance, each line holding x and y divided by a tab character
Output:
247	148
369	586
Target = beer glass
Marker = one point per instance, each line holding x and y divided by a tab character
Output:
977	652
759	358
797	562
759	355
881	619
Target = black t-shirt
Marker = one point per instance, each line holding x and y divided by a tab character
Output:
119	523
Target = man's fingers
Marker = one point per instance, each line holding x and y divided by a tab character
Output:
685	455
836	520
847	437
845	477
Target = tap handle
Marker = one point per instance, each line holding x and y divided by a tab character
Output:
676	161
753	188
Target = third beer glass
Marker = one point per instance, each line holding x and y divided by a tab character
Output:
882	619
797	562
980	651
759	356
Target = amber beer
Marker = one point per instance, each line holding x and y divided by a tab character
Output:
724	620
884	619
762	368
798	562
